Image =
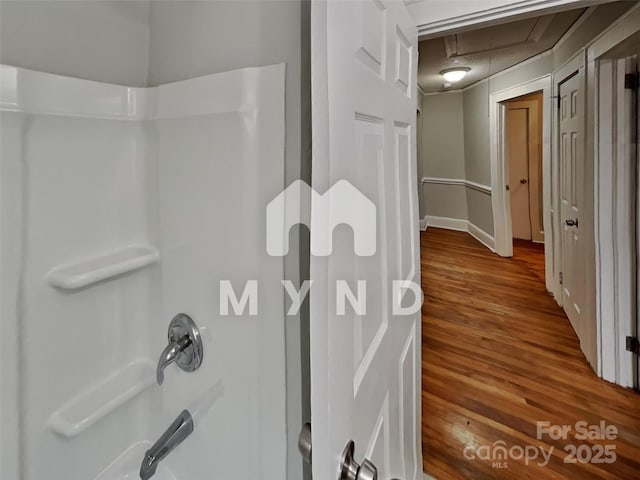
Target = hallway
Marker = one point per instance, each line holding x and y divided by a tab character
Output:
499	355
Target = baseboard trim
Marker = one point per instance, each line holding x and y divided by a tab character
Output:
482	236
460	225
448	223
428	477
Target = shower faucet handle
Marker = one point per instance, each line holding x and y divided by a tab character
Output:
185	346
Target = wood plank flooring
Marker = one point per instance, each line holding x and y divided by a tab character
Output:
499	355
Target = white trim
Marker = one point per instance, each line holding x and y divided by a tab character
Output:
614	218
484	17
443	181
616	286
428	477
457	90
482	236
461	225
500	200
457	181
478	187
448	223
620	30
572	63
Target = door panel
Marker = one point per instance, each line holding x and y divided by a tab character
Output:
530	153
518	154
571	194
365	362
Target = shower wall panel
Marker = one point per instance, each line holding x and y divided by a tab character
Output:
122	207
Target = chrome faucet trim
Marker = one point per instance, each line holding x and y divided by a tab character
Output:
169	355
180	429
185	346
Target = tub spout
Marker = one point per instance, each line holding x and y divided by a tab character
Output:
180	429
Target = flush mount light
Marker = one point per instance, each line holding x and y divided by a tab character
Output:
455	74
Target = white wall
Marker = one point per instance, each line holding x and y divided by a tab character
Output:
101	40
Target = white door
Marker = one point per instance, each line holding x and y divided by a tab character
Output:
365	366
571	199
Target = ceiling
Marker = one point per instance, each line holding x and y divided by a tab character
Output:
491	49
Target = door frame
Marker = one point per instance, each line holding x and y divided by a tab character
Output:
615	215
500	201
467	17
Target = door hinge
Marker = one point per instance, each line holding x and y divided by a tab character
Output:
632	81
561	278
633	345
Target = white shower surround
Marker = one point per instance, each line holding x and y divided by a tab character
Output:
89	168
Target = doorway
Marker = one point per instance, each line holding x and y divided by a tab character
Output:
614	64
524	163
541	174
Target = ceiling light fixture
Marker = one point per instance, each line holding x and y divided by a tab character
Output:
455	74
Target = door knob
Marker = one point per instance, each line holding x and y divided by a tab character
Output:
351	470
304	443
523	181
571	223
185	346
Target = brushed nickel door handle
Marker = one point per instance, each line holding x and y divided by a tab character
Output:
304	443
351	470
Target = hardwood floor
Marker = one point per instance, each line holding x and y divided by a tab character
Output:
499	355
